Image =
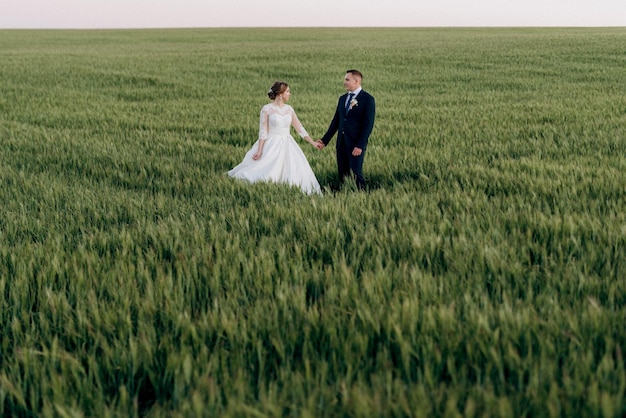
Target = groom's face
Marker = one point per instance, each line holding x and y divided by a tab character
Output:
350	82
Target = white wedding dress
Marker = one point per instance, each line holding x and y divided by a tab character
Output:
282	160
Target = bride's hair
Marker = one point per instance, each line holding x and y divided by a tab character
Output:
277	88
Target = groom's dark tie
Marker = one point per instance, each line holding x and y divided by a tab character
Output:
348	102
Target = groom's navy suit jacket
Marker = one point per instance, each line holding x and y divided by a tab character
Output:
353	127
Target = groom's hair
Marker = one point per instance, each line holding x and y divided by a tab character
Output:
355	73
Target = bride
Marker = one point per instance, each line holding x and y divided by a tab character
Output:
276	157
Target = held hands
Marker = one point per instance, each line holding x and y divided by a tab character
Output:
316	144
319	144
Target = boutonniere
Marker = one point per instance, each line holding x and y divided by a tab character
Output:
353	103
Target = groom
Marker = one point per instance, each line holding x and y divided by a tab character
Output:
353	123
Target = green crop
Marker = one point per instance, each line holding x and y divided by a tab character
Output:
482	274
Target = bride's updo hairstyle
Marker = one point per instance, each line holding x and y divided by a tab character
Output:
279	87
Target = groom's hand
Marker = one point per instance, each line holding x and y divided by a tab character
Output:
320	144
356	152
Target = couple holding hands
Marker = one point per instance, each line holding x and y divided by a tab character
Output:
276	157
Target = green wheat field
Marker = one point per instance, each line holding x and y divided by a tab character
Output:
483	273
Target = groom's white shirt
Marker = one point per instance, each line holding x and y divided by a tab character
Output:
354	93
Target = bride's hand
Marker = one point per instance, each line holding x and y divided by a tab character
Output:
257	155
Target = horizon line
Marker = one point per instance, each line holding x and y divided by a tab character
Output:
326	27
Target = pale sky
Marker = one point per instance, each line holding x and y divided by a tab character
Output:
79	14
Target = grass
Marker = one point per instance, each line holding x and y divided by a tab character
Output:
482	274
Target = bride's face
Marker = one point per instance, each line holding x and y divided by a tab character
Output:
286	95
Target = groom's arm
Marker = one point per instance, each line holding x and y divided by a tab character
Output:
332	128
369	114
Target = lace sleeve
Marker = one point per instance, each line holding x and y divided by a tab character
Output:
263	123
295	122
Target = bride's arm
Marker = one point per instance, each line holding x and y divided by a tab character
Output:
259	151
263	129
295	122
